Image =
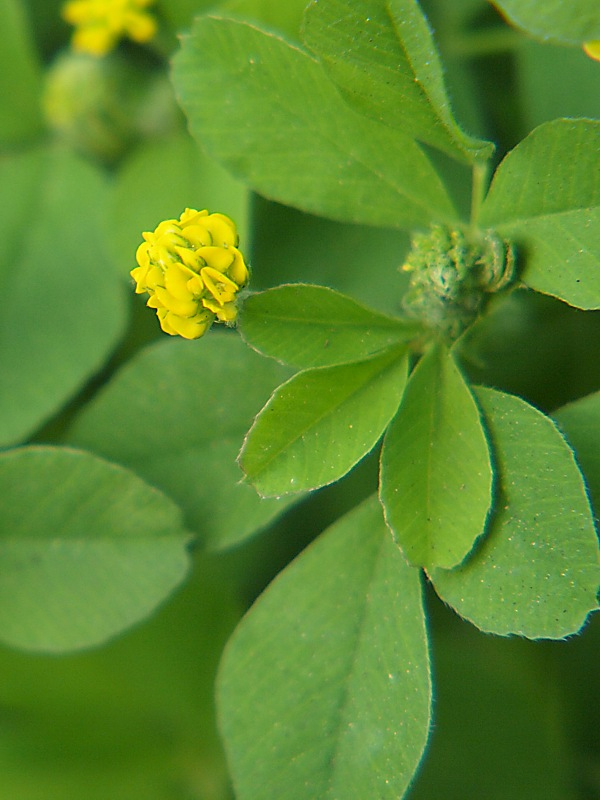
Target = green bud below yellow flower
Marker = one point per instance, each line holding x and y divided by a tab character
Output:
99	24
193	271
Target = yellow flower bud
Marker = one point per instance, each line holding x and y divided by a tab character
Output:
100	24
592	49
193	271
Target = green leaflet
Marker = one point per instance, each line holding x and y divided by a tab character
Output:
382	55
436	476
268	112
176	414
537	571
324	690
87	549
573	22
313	326
580	422
64	305
546	199
320	423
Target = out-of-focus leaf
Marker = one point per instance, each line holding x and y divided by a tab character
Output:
324	687
132	719
580	422
87	549
63	304
574	90
176	414
573	22
20	81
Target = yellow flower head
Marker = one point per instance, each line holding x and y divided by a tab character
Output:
101	23
592	49
192	270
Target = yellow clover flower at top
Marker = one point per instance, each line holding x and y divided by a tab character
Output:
592	49
192	270
101	23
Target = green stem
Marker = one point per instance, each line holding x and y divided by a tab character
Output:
479	187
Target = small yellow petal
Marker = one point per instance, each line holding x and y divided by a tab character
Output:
238	271
220	286
140	27
189	257
176	280
196	235
190	216
225	313
163	317
196	286
99	24
155	277
191	328
154	302
141	254
222	230
219	258
184	308
592	49
94	40
139	276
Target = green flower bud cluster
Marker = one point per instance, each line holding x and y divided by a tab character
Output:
452	275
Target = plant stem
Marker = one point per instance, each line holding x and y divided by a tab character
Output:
478	190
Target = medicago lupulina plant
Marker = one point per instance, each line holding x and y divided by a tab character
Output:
465	485
476	486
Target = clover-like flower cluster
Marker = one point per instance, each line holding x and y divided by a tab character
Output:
100	24
193	271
